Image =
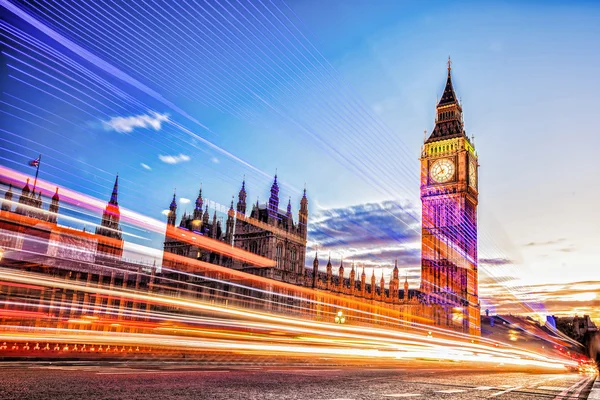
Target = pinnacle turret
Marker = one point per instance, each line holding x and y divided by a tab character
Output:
315	270
111	217
198	209
115	192
53	209
6	204
273	205
172	215
25	189
303	215
205	216
241	204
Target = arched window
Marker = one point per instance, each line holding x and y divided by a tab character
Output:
254	247
293	259
279	255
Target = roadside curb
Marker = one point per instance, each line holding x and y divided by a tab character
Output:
595	392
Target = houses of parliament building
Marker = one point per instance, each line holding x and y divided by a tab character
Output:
448	292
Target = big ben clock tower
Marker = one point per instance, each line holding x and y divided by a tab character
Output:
449	231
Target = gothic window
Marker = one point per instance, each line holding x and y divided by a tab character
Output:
253	248
293	259
279	255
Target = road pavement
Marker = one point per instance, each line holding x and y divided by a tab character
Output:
170	381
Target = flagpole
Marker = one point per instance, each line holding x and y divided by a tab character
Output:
37	171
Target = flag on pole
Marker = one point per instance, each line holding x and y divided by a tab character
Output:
35	163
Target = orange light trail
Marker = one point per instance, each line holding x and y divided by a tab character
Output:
305	337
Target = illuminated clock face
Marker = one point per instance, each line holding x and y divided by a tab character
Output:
442	170
473	173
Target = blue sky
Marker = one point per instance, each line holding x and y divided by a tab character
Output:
337	97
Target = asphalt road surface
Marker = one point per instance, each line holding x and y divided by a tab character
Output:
169	381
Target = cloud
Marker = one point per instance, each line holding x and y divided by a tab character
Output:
557	298
385	105
174	159
153	120
566	250
183	200
491	281
373	233
146	166
546	243
165	212
215	160
495	261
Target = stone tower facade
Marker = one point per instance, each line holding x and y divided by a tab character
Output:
449	196
110	227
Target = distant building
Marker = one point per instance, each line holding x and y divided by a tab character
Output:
575	327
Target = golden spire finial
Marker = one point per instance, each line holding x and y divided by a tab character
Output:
449	64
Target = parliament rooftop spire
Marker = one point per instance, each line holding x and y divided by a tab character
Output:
115	192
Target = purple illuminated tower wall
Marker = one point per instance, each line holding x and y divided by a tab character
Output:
449	197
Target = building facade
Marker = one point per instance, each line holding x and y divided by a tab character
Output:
28	229
266	231
448	294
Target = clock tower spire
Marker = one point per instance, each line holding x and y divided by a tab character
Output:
449	196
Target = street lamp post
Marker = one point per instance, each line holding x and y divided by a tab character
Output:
339	318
